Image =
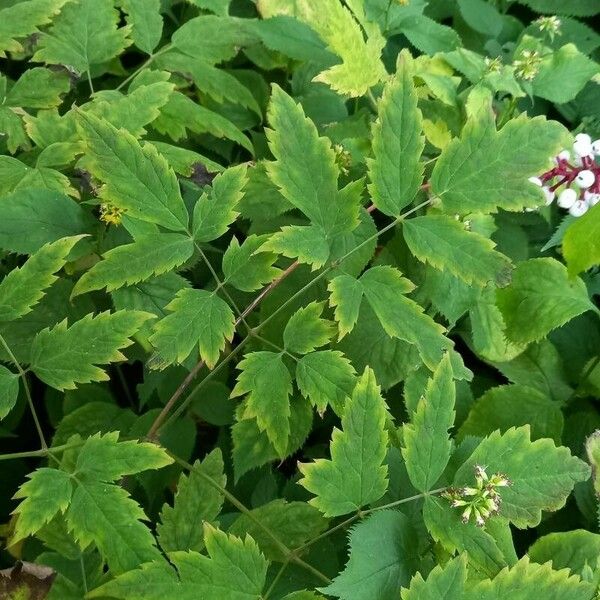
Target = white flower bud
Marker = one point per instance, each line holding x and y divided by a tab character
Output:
564	155
536	181
579	208
549	194
567	198
596	147
583	137
591	198
583	148
585	179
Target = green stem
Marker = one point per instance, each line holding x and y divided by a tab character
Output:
89	78
145	65
249	514
40	453
23	376
276	580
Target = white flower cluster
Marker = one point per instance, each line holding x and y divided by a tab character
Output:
576	184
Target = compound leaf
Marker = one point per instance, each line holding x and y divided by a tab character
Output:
64	356
355	476
196	501
267	381
152	254
145	21
84	34
445	244
326	377
198	318
427	445
486	169
542	474
306	330
233	569
137	180
370	572
540	298
395	171
24	286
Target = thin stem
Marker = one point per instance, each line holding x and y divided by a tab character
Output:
40	453
250	515
200	385
273	345
372	100
83	575
156	425
327	533
23	376
144	65
403	501
276	580
89	78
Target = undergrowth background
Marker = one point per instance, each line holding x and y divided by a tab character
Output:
283	313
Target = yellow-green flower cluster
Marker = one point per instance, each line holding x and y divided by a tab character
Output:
480	502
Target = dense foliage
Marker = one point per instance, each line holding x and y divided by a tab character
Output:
287	308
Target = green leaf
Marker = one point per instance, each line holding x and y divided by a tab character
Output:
24	286
221	38
577	8
445	582
140	107
105	458
22	19
445	244
567	550
306	330
84	34
542	474
12	130
30	218
581	243
481	16
356	474
526	580
149	255
395	170
294	522
234	569
400	317
345	296
308	244
305	170
252	447
445	526
215	210
248	267
145	21
9	390
137	180
383	557
361	65
293	38
428	35
38	88
267	381
472	173
47	492
105	515
563	74
541	298
219	7
592	448
198	318
326	377
152	296
64	356
16	175
196	501
427	445
506	406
